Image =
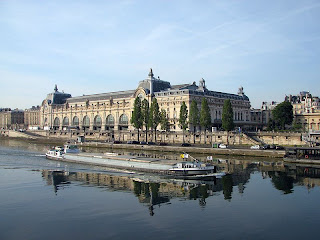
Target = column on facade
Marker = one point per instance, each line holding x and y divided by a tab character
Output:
61	121
116	121
91	121
103	121
80	121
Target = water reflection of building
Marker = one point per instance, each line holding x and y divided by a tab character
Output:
154	191
149	193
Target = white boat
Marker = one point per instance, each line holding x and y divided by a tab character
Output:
55	154
58	153
68	148
192	168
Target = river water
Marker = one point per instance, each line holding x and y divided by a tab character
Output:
43	199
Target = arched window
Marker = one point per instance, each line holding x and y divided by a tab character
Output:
56	122
123	120
75	121
65	121
110	120
86	121
97	121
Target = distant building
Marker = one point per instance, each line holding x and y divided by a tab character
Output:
304	103
11	119
32	117
306	110
261	117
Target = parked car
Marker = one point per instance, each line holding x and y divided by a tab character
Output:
278	147
151	143
223	146
143	143
185	144
266	146
117	142
133	142
163	144
255	147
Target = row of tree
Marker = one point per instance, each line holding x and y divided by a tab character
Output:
149	116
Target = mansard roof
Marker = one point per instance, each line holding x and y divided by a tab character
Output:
151	85
102	96
157	84
57	97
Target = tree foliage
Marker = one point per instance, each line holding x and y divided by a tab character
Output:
154	116
194	117
205	116
136	119
282	114
145	114
183	117
227	116
164	121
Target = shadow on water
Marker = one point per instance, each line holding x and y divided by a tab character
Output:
151	191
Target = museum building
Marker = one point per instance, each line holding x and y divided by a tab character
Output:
112	111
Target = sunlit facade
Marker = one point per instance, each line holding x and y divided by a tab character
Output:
112	111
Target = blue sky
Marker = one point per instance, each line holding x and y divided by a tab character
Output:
271	48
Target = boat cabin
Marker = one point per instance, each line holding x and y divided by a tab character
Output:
189	165
303	153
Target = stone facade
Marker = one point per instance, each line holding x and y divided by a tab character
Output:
309	121
261	117
306	110
304	103
32	117
112	111
11	119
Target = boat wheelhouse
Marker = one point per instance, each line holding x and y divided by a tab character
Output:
71	148
55	154
302	155
192	168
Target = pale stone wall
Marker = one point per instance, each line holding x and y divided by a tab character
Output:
309	121
208	138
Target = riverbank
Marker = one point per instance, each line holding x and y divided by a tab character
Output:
192	149
243	151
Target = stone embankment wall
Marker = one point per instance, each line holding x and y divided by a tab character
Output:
209	138
191	150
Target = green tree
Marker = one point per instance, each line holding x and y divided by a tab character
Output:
164	121
136	119
205	116
296	126
283	114
145	115
270	125
227	117
154	117
194	117
183	117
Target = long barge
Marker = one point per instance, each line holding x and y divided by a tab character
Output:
151	165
